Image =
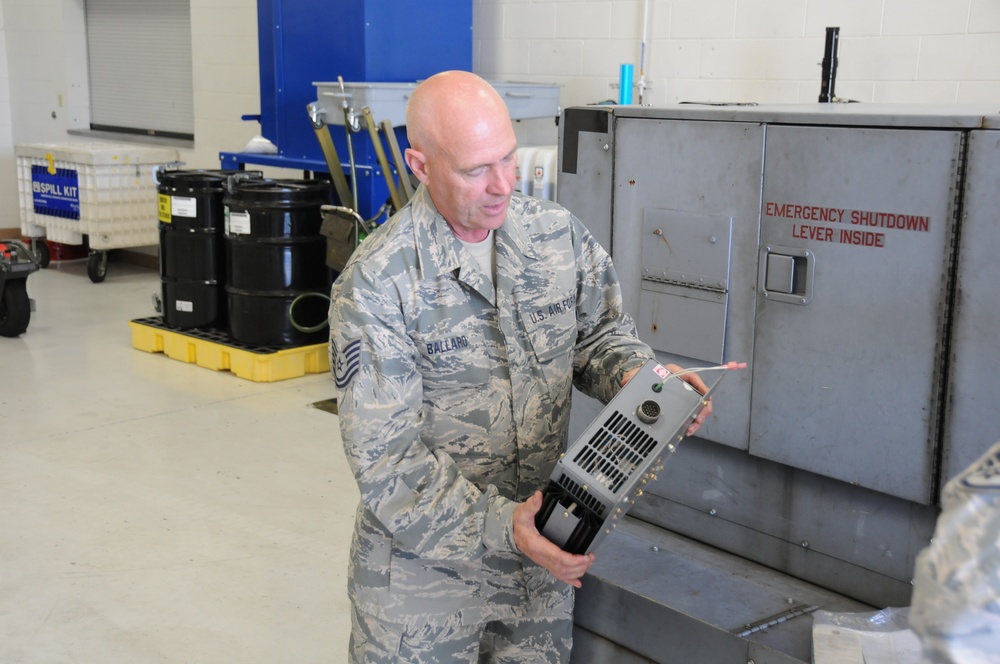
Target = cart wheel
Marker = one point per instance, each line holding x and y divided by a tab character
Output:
15	308
97	266
42	251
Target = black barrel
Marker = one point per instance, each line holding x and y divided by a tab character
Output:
192	247
275	254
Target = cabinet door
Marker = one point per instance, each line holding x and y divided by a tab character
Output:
685	235
853	284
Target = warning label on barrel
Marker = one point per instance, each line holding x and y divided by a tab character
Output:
163	208
865	228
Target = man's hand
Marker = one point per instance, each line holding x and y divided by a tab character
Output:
691	378
567	567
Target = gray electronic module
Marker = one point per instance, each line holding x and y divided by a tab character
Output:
598	478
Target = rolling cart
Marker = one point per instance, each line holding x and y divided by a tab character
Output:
17	261
105	191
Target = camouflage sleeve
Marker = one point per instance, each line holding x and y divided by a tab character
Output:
956	587
607	345
417	494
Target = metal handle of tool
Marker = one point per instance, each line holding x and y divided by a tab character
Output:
329	153
348	127
380	154
397	157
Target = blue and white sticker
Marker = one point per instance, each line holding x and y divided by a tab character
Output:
55	192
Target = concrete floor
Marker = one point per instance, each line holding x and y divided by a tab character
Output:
156	511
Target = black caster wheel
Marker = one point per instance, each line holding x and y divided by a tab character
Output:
42	252
97	266
15	308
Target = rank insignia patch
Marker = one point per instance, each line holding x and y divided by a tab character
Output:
347	361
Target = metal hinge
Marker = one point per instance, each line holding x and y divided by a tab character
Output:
684	280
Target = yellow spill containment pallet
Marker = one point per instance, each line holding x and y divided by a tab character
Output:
212	350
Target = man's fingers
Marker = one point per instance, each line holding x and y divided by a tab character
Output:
700	418
566	567
570	571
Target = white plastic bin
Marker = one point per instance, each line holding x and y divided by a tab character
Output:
105	191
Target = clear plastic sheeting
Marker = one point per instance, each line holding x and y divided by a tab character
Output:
880	637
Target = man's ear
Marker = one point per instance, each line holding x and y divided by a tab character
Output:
418	164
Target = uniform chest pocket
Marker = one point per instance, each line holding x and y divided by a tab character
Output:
449	336
551	327
454	359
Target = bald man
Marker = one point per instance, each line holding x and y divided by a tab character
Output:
457	332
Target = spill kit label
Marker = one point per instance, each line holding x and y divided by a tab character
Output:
832	224
57	193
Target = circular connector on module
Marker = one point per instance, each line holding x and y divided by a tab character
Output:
648	411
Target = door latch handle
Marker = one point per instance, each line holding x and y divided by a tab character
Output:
786	274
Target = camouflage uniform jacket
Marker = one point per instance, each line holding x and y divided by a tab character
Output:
454	401
956	586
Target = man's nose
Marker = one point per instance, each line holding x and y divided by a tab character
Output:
501	181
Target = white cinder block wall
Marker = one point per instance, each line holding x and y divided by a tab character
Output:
766	51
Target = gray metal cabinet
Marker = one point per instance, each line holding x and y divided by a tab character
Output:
847	253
